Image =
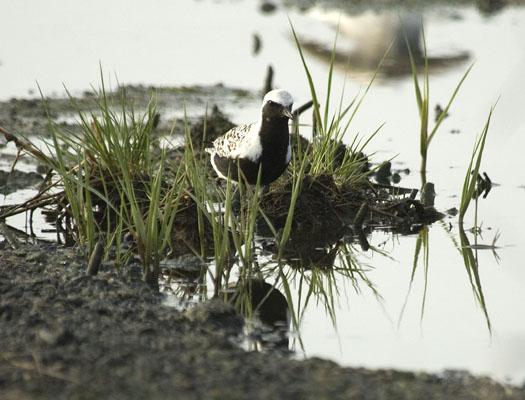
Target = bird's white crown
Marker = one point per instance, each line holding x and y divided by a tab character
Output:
279	96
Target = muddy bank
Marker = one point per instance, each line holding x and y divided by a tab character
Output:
68	335
29	117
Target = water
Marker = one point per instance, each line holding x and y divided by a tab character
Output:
187	42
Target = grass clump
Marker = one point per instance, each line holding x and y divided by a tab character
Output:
326	153
111	182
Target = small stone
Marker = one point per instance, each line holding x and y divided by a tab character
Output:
452	211
428	194
59	337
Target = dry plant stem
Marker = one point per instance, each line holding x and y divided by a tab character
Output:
8	136
31	204
268	80
22	145
96	258
360	217
18	154
38	200
11	239
299	110
386	214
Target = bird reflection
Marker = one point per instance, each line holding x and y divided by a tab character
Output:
271	326
366	38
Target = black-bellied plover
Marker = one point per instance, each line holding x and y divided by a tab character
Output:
264	144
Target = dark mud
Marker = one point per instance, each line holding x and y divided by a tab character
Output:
10	182
66	335
29	117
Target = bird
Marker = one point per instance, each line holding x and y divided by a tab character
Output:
264	144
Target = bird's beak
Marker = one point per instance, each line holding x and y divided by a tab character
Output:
287	113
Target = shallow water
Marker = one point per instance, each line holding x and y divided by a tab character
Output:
187	42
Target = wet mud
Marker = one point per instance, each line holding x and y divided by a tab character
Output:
30	117
68	335
10	182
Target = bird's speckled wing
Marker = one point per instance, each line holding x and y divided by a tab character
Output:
228	144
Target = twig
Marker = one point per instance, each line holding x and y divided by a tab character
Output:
392	189
360	216
23	145
386	214
299	110
18	154
268	80
35	202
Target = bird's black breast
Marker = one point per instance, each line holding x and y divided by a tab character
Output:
275	140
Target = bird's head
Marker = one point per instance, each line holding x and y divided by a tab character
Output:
277	104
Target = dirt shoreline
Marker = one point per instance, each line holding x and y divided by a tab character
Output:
66	335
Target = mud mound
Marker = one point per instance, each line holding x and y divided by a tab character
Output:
215	124
321	202
327	213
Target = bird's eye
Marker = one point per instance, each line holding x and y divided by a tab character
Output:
271	102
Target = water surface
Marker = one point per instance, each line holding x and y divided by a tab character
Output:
205	42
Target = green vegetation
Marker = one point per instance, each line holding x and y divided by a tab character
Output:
426	134
326	153
470	183
114	183
469	191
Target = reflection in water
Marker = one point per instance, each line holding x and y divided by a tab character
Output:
257	298
274	295
468	252
421	251
366	38
274	291
470	260
489	7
